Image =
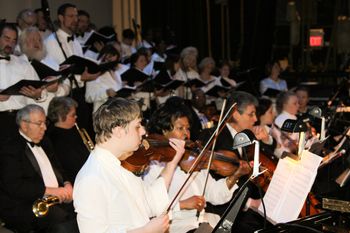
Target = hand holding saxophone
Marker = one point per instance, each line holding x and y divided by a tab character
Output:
64	194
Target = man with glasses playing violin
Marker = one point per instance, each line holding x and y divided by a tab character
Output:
244	117
174	122
29	171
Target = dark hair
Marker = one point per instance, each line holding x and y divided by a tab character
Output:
283	98
135	56
109	49
302	88
62	9
128	34
163	118
264	105
83	13
10	26
108	31
225	63
59	107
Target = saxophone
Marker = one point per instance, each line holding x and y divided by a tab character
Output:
86	138
42	205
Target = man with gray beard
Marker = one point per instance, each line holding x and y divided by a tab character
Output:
12	70
33	48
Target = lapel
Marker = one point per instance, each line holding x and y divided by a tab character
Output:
28	152
49	152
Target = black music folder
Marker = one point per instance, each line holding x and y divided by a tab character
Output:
97	37
270	92
45	71
162	77
133	75
80	63
126	91
197	83
157	65
14	89
163	80
214	91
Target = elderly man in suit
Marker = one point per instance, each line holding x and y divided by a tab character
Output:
28	171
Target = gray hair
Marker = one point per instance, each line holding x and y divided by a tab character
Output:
189	51
24	113
59	107
38	55
205	61
25	13
242	100
282	99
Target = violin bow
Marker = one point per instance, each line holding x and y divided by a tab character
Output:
195	164
212	151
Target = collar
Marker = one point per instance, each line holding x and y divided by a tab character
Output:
28	140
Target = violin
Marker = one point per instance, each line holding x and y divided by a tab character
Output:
225	163
156	147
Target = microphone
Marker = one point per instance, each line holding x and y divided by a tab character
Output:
46	10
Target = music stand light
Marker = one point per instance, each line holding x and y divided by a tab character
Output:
317	113
246	138
296	126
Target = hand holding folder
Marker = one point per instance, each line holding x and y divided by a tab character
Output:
17	87
79	64
96	37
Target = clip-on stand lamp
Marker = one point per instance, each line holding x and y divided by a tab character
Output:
295	126
317	113
242	139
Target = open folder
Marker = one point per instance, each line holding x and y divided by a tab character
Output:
14	89
45	71
133	75
96	37
79	64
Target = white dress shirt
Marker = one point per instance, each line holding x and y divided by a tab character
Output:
110	199
96	89
267	83
45	166
70	48
216	193
12	72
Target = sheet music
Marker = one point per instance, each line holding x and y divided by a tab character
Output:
290	184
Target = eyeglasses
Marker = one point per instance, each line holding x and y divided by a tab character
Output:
39	123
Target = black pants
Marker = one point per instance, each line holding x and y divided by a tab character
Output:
60	219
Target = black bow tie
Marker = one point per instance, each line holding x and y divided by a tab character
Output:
5	58
32	144
70	38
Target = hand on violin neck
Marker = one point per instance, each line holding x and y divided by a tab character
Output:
194	202
244	169
179	146
261	134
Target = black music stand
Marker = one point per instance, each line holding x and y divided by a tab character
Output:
228	218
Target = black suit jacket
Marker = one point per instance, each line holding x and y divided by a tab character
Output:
21	180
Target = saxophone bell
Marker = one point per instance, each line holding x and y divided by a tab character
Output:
41	206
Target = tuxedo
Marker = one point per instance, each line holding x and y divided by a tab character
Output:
21	183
